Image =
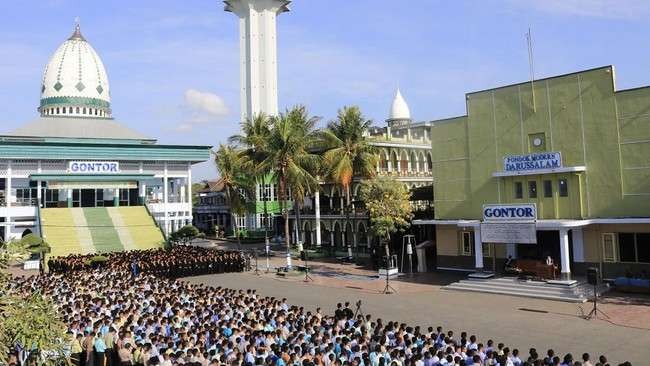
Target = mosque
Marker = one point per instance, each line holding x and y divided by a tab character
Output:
82	180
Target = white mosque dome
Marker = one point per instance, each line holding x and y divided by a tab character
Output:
399	109
75	81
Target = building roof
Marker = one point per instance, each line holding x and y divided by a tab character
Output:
213	186
76	127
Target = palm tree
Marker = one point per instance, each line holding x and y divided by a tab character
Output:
253	138
348	153
291	160
236	183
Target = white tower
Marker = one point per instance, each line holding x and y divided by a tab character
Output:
258	53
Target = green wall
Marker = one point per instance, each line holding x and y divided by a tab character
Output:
579	115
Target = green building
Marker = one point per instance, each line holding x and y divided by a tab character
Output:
573	148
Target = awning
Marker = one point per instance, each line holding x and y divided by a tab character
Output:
92	185
545	224
90	177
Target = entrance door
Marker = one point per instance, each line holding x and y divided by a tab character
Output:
87	198
548	243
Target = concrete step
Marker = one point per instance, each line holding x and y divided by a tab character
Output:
533	283
520	289
526	287
514	292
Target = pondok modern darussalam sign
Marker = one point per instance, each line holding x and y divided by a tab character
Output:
536	161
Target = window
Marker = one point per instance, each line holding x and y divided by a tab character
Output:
564	187
634	247
548	189
643	248
77	110
626	250
532	189
609	251
466	243
519	190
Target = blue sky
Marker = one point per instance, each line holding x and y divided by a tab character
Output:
173	65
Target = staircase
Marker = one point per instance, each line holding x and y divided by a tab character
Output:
99	229
58	228
579	292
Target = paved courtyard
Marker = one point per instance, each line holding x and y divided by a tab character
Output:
518	322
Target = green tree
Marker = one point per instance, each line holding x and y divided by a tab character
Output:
389	208
348	153
253	140
184	235
29	320
196	187
290	158
237	182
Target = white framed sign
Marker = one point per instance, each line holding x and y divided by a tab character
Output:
536	161
97	167
509	232
508	213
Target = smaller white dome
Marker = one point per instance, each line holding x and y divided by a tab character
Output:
399	109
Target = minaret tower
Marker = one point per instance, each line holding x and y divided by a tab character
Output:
258	53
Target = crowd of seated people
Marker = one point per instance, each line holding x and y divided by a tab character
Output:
179	261
117	318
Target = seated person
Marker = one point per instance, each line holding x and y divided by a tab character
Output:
510	266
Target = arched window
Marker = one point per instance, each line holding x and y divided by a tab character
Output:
57	110
70	110
77	110
84	110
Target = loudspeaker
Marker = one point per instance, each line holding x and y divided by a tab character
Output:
593	276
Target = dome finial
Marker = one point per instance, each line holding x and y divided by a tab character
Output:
77	31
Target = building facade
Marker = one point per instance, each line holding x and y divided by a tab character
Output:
75	155
404	149
572	147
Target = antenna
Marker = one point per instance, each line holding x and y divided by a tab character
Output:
531	64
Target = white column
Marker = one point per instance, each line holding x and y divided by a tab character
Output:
332	238
354	239
143	193
258	54
8	195
165	198
511	250
565	260
8	198
189	184
478	249
317	215
39	194
578	245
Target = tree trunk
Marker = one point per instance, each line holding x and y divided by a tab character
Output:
285	215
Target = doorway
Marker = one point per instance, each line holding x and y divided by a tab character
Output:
88	198
548	244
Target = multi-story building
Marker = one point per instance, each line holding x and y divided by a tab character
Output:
211	209
404	149
83	180
571	151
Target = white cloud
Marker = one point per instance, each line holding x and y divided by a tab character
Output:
201	108
205	102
